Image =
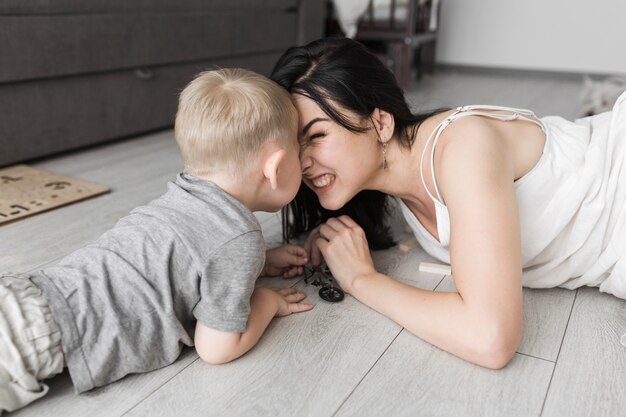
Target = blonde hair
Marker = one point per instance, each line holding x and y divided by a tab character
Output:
225	117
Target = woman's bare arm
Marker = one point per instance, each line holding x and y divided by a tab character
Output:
482	322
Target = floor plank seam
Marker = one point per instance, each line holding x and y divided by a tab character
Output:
159	387
367	373
545	398
439	283
43	265
536	357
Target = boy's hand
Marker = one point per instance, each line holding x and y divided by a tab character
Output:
289	301
287	261
311	248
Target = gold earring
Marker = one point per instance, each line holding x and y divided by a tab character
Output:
385	155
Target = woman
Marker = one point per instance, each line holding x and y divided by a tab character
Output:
508	199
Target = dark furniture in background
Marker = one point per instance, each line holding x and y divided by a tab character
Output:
76	73
402	43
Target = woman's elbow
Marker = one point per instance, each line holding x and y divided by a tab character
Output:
497	349
497	358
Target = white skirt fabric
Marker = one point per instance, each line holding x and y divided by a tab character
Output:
573	205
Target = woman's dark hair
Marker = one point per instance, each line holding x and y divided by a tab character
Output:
343	71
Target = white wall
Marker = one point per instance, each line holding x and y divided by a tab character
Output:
554	35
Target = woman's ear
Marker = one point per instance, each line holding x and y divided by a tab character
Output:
384	123
271	166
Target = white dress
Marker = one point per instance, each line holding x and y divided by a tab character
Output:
572	204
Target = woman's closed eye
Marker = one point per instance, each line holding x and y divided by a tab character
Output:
310	139
317	135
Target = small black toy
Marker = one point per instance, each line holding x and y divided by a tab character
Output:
321	276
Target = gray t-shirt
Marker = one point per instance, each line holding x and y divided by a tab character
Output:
128	302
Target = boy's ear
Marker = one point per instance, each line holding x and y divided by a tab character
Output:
384	124
272	165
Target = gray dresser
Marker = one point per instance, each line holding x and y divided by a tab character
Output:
76	73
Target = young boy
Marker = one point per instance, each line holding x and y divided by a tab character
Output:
178	271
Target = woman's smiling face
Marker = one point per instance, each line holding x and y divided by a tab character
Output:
336	163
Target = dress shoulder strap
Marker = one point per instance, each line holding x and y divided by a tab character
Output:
473	110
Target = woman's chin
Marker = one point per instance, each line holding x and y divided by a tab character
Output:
329	197
331	204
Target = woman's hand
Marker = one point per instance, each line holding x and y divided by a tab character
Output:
345	250
286	260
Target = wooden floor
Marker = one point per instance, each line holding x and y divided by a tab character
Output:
342	359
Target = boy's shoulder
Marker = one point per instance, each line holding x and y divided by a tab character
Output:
195	207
